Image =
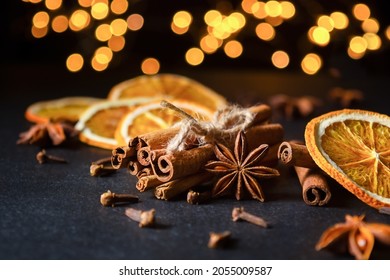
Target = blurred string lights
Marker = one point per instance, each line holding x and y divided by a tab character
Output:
112	22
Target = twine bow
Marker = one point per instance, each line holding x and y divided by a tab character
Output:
226	123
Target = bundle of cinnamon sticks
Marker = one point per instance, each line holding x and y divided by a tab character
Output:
170	174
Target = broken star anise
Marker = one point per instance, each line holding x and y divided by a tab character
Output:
359	234
47	134
239	170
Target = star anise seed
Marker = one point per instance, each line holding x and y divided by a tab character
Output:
47	134
360	236
239	171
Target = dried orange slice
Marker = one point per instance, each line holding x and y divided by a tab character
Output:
168	87
152	116
98	123
63	109
353	147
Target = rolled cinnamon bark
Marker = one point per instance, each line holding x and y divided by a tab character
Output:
182	163
154	140
261	114
178	186
294	154
147	182
121	156
264	134
315	189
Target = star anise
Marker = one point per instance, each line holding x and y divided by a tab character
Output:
48	133
360	236
239	170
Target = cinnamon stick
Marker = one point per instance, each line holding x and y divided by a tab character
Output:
262	114
155	139
182	163
147	182
315	190
121	156
175	187
295	154
263	134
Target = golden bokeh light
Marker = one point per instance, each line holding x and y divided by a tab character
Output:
34	1
209	44
354	55
273	8
311	63
194	56
74	62
79	20
320	36
326	22
374	42
340	20
358	44
53	4
41	19
85	3
103	55
233	49
274	21
116	43
370	25
280	59
265	31
60	24
178	30
99	10
98	66
236	21
39	32
246	5
150	66
258	10
361	11
387	32
182	19
288	9
119	6
135	22
213	18
103	32
118	27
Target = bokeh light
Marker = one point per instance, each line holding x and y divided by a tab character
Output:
150	66
194	56
280	59
75	62
311	63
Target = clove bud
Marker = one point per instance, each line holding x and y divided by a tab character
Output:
42	157
239	214
112	199
144	218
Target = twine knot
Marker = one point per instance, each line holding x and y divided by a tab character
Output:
225	125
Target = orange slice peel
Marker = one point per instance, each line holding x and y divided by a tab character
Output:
353	147
68	109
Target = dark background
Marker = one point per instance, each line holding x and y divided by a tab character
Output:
53	212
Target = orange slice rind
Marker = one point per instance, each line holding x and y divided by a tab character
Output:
63	109
152	116
98	123
353	147
169	87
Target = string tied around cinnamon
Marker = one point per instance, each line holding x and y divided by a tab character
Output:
226	123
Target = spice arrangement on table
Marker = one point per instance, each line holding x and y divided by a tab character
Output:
181	140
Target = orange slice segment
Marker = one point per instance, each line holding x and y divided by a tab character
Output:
63	109
353	147
98	123
168	87
153	116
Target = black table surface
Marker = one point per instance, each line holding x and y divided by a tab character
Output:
52	211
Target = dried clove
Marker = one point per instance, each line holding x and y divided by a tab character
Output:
112	199
144	218
218	239
239	214
101	168
42	157
194	197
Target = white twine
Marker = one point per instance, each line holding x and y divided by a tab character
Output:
226	123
